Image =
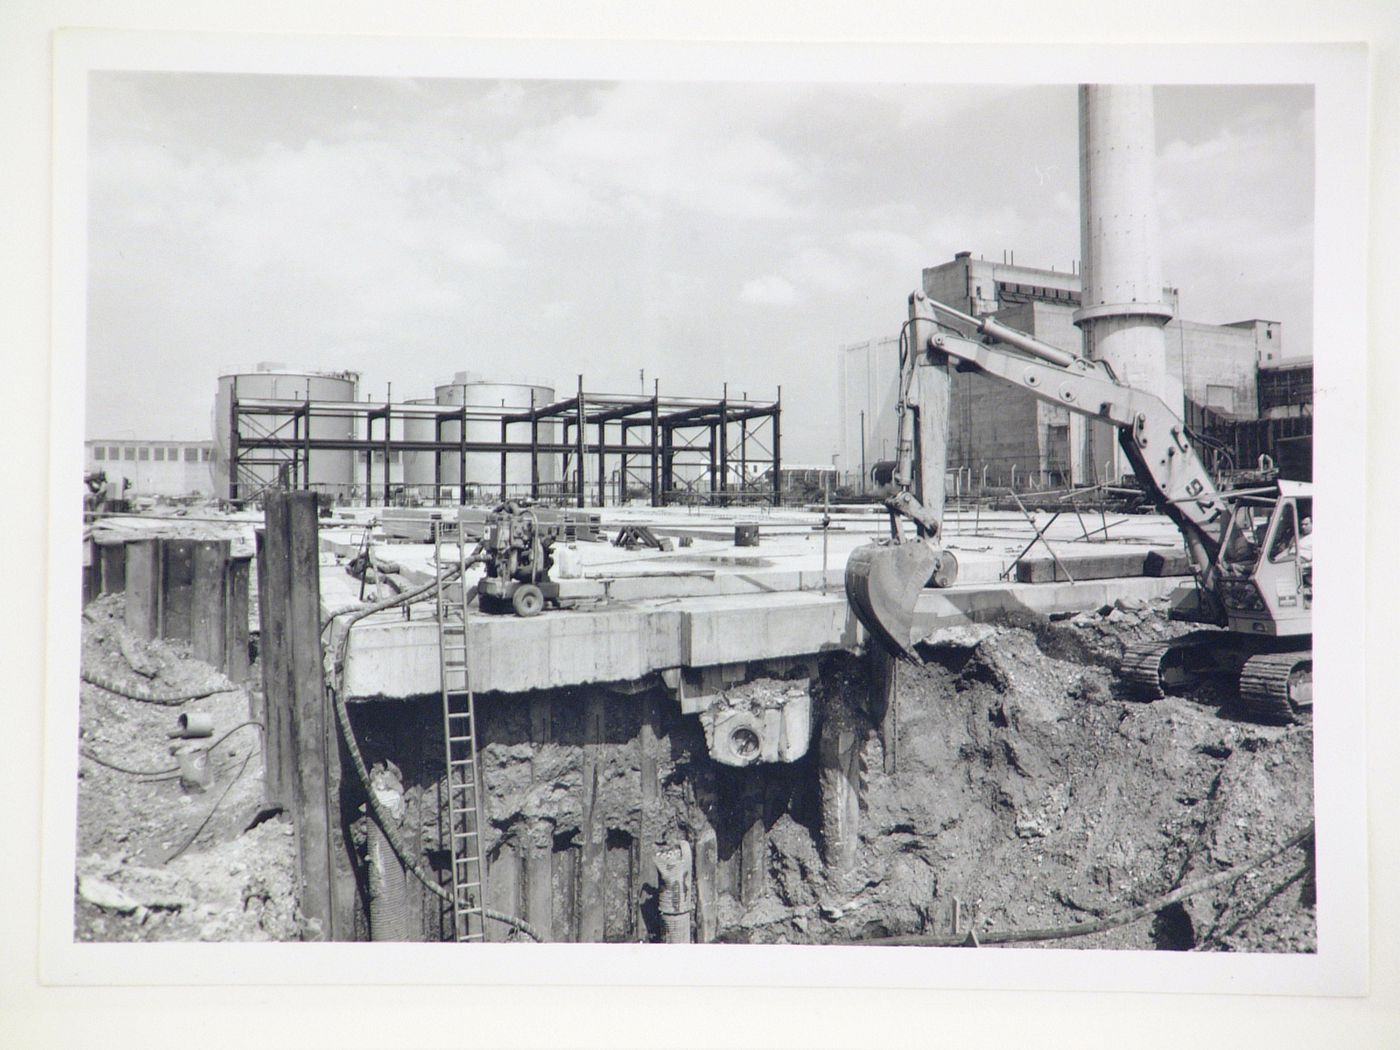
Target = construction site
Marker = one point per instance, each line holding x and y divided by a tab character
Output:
505	664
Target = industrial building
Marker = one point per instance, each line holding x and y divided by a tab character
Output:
151	468
1224	375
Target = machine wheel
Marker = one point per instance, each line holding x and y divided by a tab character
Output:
947	572
527	600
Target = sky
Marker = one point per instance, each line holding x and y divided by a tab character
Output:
694	234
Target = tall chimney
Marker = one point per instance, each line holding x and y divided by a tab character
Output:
1121	312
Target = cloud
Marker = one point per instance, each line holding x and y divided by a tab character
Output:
415	229
769	290
885	244
1235	206
647	152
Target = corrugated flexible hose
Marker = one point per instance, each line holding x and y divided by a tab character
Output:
382	820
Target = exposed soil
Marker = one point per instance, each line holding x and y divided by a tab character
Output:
159	859
1032	794
1027	790
1028	794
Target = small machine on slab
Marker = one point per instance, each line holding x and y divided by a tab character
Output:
518	540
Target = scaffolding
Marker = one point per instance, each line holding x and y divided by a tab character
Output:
688	450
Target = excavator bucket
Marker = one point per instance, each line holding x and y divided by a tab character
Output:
883	582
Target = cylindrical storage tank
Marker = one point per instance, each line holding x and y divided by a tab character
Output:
332	471
485	398
418	474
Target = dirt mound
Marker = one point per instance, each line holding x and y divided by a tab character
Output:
158	860
1033	796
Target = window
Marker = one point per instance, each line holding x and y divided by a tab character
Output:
1243	537
130	453
1221	397
144	454
160	455
205	455
114	452
99	452
1285	545
191	455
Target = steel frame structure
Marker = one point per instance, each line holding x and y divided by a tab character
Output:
680	449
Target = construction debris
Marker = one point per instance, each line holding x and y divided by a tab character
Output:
157	862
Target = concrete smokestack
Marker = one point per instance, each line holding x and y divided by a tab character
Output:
1122	312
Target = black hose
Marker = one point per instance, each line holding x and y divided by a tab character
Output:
91	757
241	725
94	757
210	815
1108	922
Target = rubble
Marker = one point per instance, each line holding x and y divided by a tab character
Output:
1027	788
157	861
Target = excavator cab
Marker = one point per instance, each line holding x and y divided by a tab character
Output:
1265	563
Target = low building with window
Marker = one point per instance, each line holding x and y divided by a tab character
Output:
153	468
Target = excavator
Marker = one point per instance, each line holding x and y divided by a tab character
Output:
1250	549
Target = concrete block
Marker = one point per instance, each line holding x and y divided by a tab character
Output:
938	609
236	665
1167	563
791	624
1094	567
208	601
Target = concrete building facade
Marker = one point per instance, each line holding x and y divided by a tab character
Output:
999	434
154	468
1286	390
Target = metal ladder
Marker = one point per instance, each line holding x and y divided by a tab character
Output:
464	808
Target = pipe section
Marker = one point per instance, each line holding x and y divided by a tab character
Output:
388	892
676	894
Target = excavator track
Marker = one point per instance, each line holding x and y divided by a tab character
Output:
1141	670
1151	670
1277	687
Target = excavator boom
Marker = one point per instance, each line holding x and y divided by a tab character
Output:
883	580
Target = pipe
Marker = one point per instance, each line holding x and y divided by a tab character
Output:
191	726
1021	341
989	326
676	894
388	892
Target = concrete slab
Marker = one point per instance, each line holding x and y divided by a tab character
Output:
393	658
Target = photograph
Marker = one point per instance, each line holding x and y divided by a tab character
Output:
734	510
